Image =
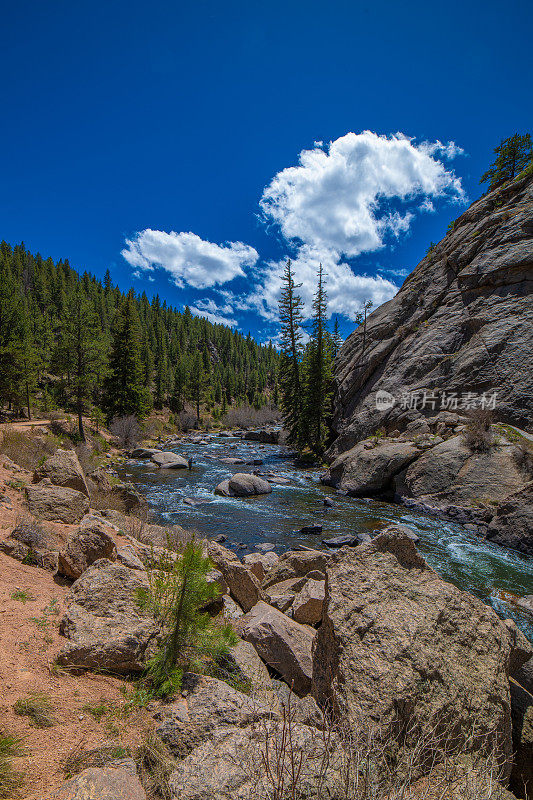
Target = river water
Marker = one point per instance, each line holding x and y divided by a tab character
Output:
494	574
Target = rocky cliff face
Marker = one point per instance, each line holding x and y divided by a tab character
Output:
462	322
458	335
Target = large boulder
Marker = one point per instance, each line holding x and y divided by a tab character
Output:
56	503
450	473
169	460
29	543
63	469
243	586
206	704
367	470
117	781
296	564
524	675
400	646
264	436
243	485
83	547
105	625
512	525
260	563
255	762
309	602
285	645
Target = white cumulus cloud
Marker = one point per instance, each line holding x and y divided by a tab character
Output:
339	198
218	314
188	258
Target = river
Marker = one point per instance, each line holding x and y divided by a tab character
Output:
492	573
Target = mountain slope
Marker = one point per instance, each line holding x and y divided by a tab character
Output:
462	322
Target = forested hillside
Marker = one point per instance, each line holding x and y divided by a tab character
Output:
69	340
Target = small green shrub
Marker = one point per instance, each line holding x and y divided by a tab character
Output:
22	596
38	708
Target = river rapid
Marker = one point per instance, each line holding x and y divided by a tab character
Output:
494	574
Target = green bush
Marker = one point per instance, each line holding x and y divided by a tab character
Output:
177	594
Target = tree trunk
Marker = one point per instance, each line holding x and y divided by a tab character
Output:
28	400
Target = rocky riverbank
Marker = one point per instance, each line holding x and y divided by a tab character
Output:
371	641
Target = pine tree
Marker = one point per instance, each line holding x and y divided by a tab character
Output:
360	318
319	381
290	315
87	346
512	156
197	382
336	340
124	390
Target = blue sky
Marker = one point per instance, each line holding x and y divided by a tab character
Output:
192	146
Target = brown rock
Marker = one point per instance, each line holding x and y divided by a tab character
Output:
243	485
296	564
522	716
104	783
260	563
243	585
363	471
83	547
308	603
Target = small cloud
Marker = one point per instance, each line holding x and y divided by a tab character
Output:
188	258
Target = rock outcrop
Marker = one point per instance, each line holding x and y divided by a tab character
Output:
398	645
283	644
169	460
243	585
56	503
461	322
512	525
106	627
63	469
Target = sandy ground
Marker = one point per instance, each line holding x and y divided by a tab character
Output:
29	642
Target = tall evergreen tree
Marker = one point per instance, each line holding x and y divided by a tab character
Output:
124	389
319	381
86	343
290	314
512	156
336	339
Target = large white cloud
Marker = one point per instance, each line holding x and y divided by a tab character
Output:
339	198
188	258
346	290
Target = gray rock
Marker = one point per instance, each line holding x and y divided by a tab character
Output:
461	322
63	469
83	547
169	460
243	485
362	471
283	644
104	783
56	503
522	716
388	620
512	525
260	563
144	452
106	627
127	556
401	530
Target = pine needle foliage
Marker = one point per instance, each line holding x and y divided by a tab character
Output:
291	320
178	591
512	156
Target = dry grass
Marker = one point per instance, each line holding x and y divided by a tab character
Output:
26	449
81	759
478	432
249	417
155	764
38	708
11	781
